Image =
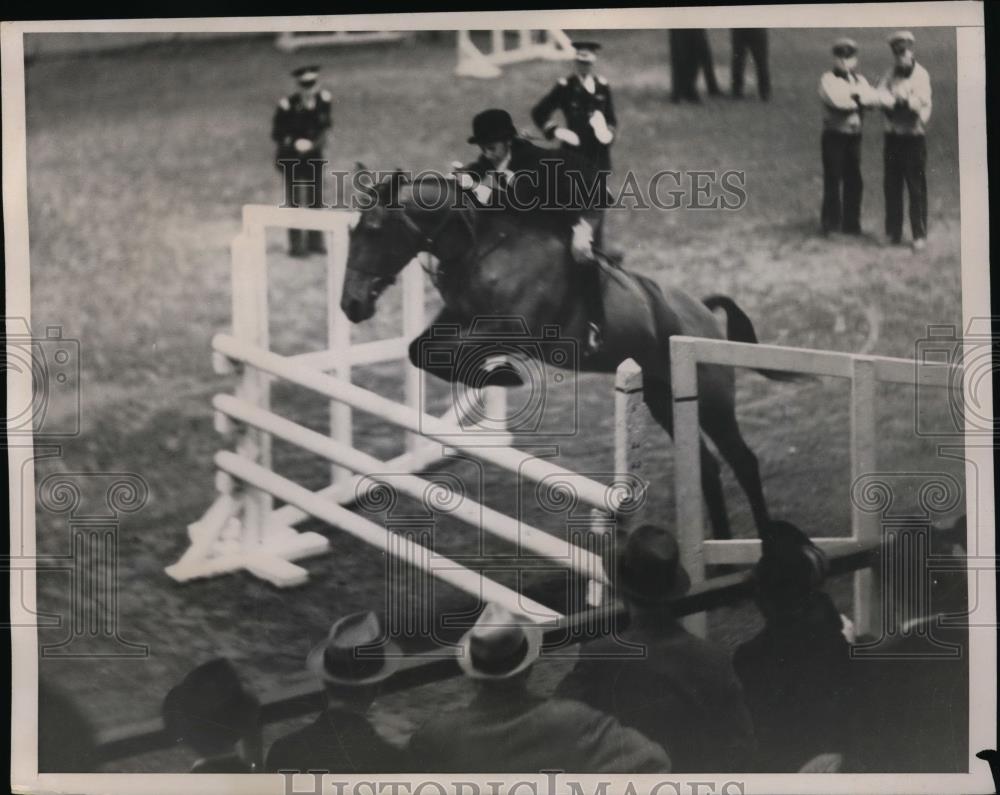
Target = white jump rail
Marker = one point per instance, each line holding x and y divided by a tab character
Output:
686	353
551	44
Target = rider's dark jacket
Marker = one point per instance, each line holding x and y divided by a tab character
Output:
551	187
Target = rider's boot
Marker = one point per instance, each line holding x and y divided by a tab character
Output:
593	299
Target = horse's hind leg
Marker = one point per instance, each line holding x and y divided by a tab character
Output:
722	428
658	399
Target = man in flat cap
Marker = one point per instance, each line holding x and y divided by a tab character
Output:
844	93
300	126
905	95
584	99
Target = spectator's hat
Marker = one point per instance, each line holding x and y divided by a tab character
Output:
500	645
306	74
586	51
209	707
902	37
491	126
648	566
355	652
790	565
845	47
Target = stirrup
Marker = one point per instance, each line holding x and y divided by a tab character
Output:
595	338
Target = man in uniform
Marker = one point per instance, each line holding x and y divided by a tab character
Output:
844	94
300	126
905	96
754	41
555	188
588	113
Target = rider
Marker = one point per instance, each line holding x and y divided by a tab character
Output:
551	187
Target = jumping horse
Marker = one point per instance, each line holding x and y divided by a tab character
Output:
494	266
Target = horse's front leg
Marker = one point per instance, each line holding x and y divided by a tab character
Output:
446	349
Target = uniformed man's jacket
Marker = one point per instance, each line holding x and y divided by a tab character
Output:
845	96
552	187
293	120
577	104
906	100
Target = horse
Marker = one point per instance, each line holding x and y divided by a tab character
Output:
496	267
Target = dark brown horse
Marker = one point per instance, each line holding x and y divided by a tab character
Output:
496	267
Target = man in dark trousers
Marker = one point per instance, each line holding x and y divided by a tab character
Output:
677	689
584	99
844	94
690	52
353	661
300	126
754	41
558	189
905	95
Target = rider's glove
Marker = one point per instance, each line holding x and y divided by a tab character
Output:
567	136
583	240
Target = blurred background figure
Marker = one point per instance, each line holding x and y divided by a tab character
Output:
212	713
508	729
353	663
65	736
691	53
844	94
754	41
584	100
796	672
682	693
300	127
905	94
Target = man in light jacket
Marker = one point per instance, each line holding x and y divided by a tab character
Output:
905	95
844	94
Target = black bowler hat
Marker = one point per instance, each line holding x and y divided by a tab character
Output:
306	74
648	566
209	707
491	126
355	652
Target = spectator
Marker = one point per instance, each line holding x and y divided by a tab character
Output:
754	41
844	94
211	712
690	52
905	95
796	672
677	689
300	127
65	736
353	662
507	729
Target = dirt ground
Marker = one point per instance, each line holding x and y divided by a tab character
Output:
139	163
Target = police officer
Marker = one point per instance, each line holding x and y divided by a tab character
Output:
844	93
584	99
300	126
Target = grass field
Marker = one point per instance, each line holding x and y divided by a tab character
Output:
139	163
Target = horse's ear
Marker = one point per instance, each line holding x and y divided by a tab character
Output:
359	166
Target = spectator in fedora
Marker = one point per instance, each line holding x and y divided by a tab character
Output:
211	712
796	672
507	729
353	662
654	676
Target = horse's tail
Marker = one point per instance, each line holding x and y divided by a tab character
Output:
739	328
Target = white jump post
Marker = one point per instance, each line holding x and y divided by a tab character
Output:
686	354
550	44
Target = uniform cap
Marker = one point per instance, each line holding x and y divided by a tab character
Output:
306	73
845	47
903	36
586	51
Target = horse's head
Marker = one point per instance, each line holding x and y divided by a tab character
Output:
399	223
